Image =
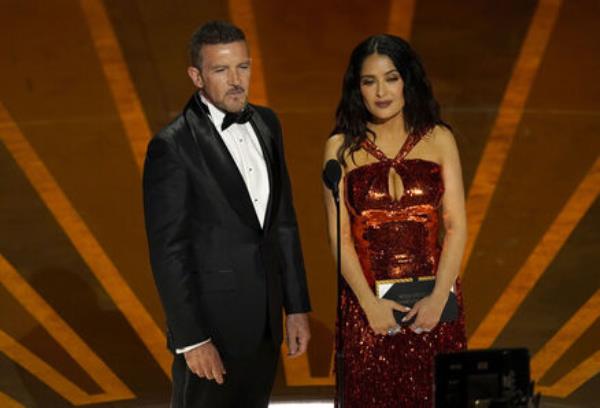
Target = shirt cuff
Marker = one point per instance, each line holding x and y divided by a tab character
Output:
193	346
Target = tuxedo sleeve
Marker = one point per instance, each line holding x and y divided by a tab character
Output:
166	210
295	288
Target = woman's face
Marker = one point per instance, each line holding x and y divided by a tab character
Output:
381	87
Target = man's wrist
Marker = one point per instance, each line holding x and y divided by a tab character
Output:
191	347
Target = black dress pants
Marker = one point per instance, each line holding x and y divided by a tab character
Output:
247	384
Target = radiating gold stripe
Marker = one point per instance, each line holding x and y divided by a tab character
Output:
401	18
117	76
8	402
568	334
242	15
542	256
575	378
509	116
113	387
83	240
49	375
41	370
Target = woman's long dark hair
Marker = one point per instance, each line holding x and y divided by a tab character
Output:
421	111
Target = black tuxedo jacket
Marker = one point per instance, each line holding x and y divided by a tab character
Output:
218	273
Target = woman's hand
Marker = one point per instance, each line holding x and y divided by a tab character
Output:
380	313
428	312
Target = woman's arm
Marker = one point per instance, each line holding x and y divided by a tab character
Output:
454	216
428	311
379	311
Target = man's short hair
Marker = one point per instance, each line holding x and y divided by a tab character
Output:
213	32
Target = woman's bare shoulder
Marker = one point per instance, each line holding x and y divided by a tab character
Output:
445	143
336	140
333	144
442	135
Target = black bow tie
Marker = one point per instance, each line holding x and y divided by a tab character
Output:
238	117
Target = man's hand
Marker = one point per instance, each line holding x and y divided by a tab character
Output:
297	333
205	362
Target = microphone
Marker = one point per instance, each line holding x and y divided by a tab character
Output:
331	175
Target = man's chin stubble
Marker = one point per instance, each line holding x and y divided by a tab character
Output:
237	106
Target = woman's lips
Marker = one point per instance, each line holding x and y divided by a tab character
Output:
383	104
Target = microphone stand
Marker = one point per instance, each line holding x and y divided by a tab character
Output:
331	176
339	355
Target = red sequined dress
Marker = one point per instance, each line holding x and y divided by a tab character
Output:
394	238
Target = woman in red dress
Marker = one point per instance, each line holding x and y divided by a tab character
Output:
401	173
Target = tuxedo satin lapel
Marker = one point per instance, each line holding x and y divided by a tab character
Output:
267	142
221	163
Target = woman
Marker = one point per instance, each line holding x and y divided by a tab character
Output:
400	168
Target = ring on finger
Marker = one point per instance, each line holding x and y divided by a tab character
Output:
393	330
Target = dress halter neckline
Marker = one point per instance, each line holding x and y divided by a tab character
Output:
376	152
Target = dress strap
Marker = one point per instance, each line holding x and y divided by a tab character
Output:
373	150
408	145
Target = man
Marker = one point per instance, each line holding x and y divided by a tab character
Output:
222	233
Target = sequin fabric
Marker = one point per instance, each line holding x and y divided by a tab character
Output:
394	238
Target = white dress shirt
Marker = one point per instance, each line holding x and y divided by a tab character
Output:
243	145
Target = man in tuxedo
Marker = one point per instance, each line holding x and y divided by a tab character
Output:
222	233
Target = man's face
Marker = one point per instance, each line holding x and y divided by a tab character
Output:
224	76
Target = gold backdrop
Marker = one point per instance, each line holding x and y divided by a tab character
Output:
85	83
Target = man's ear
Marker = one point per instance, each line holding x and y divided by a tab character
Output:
196	76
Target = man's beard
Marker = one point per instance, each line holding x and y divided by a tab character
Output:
240	103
